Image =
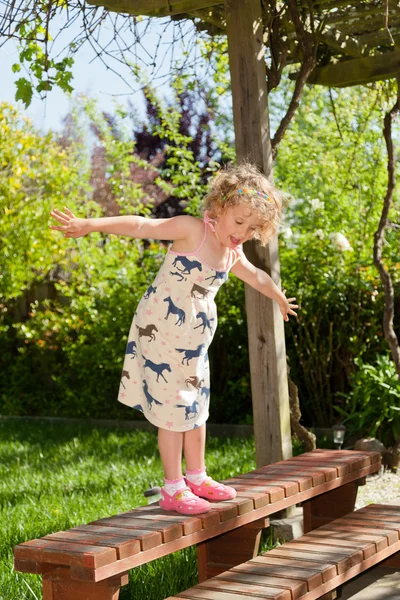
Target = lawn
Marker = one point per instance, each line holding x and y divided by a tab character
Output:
56	476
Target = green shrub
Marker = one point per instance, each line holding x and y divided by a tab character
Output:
372	407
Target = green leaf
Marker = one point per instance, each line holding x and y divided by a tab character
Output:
24	91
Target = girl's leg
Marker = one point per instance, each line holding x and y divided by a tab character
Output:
174	494
194	447
170	444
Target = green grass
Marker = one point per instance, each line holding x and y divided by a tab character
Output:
55	476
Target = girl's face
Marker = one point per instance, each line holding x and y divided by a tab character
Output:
236	225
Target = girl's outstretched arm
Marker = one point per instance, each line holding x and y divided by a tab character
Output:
175	228
263	283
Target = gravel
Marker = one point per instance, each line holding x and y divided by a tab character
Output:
380	489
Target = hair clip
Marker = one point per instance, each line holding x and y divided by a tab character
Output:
253	192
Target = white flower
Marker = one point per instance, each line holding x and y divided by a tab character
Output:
319	233
340	241
286	232
317	204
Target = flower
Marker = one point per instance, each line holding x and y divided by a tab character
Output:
317	204
340	241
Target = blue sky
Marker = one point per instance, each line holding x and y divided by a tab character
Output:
91	76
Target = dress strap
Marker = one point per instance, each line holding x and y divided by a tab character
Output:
236	256
207	221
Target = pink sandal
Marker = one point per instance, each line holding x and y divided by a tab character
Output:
184	502
212	490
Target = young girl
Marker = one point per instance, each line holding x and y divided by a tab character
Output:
166	371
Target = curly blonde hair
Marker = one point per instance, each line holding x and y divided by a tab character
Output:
265	200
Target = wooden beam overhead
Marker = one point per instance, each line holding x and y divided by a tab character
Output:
345	44
358	71
381	37
154	8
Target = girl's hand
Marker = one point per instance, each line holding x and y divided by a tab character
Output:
286	307
71	226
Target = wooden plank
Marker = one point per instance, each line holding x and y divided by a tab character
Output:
289	488
341	467
316	477
297	587
189	524
274	494
206	519
350	536
328	473
362	521
258	498
62	553
124	547
30	566
390	535
320	544
372	454
154	8
147	539
358	71
243	505
384	508
225	512
195	593
169	532
260	591
355	462
311	573
304	482
336	556
320	465
377	516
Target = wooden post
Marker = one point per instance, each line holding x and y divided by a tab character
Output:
267	350
230	549
58	585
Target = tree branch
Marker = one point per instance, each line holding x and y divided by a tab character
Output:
379	238
308	47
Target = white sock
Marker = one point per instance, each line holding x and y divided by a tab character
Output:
196	476
171	486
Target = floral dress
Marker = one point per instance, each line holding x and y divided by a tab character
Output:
166	373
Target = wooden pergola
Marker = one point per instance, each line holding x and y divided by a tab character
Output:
331	42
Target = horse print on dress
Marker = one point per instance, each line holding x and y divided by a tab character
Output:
195	382
223	275
188	265
138	407
189	353
149	397
147	331
205	322
175	310
178	275
150	290
206	391
124	374
189	410
200	290
157	368
131	349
